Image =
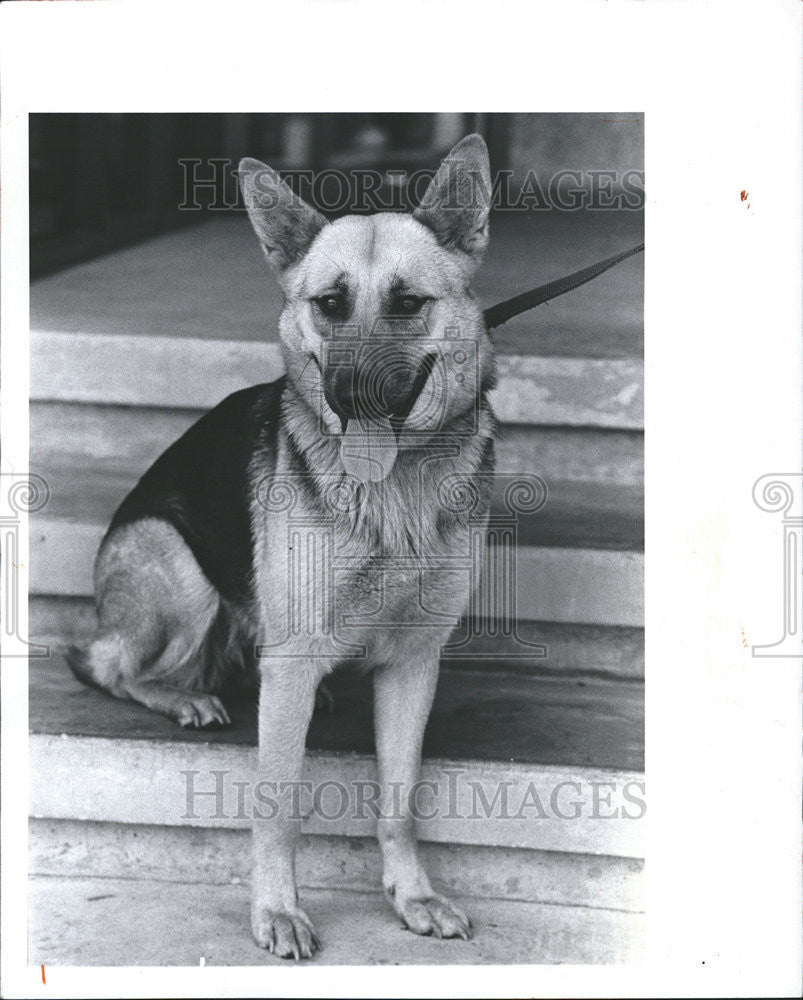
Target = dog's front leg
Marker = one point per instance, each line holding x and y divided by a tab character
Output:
286	701
403	695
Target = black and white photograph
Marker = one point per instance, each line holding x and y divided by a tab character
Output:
340	418
369	571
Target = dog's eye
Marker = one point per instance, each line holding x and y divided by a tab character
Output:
407	305
331	305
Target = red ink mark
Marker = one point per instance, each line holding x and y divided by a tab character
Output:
744	640
743	195
44	981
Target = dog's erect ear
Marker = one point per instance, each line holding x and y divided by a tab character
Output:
458	199
285	224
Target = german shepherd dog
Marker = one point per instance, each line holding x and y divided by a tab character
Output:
311	520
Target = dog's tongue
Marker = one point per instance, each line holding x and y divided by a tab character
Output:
368	450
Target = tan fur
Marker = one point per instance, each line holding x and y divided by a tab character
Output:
374	571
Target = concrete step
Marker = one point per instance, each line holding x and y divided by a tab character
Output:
572	454
136	436
553	584
575	515
509	762
535	648
90	849
97	367
210	282
110	922
533	819
577	560
494	716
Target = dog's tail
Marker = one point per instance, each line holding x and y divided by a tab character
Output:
78	660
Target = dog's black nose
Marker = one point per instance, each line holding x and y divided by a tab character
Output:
381	384
340	390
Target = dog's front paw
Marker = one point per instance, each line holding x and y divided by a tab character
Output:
284	933
433	915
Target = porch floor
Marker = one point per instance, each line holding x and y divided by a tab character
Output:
89	921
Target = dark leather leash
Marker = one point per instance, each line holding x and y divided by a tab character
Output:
503	311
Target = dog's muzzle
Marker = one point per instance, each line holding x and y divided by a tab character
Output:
373	389
376	385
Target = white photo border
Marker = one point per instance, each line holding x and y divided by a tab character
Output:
719	85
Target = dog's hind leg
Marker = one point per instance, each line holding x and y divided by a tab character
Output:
155	609
188	708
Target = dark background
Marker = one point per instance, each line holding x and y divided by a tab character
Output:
102	181
99	182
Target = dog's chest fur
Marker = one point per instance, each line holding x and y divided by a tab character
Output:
398	553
